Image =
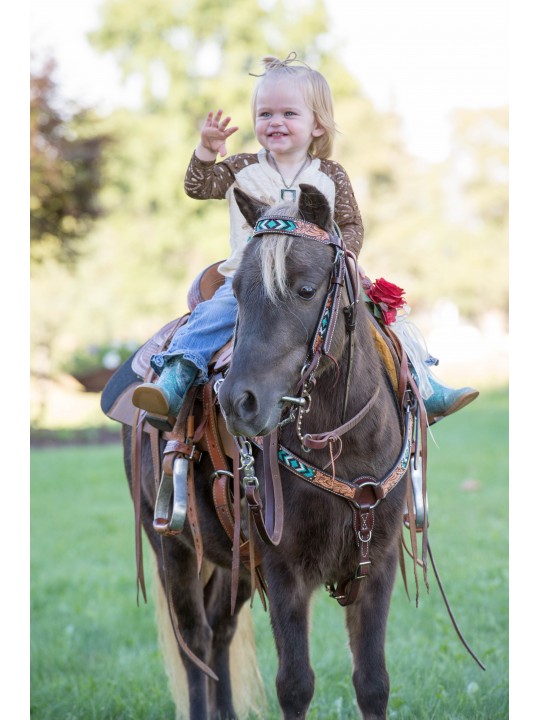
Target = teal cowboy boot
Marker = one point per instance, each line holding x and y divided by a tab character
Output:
445	400
163	399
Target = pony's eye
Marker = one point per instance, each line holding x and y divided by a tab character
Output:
306	292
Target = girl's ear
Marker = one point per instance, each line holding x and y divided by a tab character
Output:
318	131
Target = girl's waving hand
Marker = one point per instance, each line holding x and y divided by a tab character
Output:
215	133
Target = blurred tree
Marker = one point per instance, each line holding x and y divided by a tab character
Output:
479	173
442	230
65	176
480	160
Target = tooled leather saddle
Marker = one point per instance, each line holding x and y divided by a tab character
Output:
116	397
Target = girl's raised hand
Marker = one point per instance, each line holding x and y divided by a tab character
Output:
215	132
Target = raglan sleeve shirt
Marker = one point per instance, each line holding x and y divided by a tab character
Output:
249	171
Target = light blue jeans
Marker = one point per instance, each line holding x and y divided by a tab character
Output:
208	328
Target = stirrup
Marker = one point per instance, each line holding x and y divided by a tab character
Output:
165	423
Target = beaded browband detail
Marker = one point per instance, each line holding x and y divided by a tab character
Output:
292	226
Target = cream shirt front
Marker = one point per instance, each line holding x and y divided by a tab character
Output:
263	182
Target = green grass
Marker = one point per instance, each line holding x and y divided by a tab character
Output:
94	653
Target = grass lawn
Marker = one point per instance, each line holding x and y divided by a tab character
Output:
94	653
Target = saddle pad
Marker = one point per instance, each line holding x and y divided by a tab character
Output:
116	396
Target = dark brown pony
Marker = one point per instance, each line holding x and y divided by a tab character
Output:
281	286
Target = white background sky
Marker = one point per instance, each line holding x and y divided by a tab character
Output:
420	57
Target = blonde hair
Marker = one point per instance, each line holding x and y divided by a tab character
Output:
317	95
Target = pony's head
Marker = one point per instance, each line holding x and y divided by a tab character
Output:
312	208
281	286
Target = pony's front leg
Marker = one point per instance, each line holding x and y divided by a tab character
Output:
366	623
289	612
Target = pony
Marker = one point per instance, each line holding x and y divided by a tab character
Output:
315	414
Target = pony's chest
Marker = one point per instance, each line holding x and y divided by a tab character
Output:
318	533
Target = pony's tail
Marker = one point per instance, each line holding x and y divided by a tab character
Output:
247	685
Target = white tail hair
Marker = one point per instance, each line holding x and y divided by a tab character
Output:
247	685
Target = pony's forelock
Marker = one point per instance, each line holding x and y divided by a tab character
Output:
273	250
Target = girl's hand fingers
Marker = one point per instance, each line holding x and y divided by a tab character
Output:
216	131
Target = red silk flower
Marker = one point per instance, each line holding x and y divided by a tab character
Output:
388	297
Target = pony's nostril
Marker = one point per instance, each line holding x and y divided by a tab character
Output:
246	405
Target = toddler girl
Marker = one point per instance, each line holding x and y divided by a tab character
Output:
294	124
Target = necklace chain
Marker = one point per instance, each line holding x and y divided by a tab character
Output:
275	166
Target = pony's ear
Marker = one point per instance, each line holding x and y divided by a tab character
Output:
314	206
250	208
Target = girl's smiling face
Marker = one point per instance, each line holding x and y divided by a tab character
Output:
284	124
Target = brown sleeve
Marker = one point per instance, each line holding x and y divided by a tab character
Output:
211	180
346	212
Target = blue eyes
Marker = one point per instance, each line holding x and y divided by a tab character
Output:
289	113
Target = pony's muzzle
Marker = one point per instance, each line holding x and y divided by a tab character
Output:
239	405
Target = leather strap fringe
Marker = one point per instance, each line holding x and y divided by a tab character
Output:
174	622
450	613
136	485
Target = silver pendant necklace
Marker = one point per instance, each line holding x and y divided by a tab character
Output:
287	193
